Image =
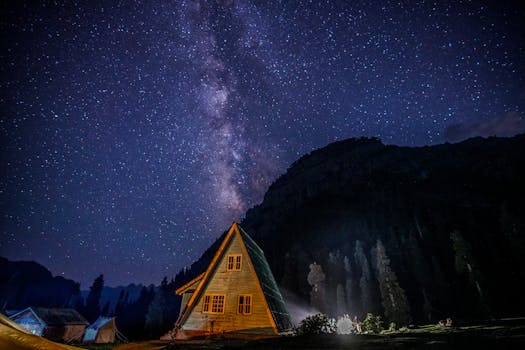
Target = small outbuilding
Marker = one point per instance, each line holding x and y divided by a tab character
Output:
64	325
103	330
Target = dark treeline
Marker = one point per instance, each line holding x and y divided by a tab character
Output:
145	315
414	234
149	316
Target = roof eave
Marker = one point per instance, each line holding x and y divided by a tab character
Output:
186	285
206	275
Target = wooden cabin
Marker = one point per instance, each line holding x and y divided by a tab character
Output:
103	330
63	325
237	294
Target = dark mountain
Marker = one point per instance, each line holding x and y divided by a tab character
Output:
25	283
416	234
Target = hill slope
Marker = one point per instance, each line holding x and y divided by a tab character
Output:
24	283
416	234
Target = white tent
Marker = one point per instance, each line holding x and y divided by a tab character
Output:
103	330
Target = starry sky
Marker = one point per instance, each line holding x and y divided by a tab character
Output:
134	132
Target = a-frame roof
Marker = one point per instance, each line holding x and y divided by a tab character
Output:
271	291
272	295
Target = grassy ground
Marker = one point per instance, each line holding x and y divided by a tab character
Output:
492	336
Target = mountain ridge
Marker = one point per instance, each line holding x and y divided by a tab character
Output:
28	283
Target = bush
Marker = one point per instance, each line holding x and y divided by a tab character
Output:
316	324
372	324
345	325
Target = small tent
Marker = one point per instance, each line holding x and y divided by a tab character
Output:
103	330
56	324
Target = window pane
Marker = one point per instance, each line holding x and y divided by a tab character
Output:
217	304
248	304
221	303
206	304
238	262
240	309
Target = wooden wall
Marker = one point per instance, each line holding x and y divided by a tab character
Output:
106	333
64	333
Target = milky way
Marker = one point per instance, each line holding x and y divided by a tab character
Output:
222	138
134	132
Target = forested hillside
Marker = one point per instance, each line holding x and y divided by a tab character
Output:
416	234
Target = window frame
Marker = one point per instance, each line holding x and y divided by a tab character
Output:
233	262
242	307
208	303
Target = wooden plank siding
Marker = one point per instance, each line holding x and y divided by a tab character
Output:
64	333
231	284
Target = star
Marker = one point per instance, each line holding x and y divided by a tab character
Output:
134	133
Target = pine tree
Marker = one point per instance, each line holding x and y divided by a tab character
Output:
392	295
132	317
365	283
349	286
122	302
92	310
155	315
340	299
105	310
465	265
316	279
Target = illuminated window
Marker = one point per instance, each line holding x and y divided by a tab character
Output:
234	262
206	304
238	263
244	305
217	304
213	304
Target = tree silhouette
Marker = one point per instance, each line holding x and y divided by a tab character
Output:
392	295
365	283
466	266
92	310
316	279
155	317
105	310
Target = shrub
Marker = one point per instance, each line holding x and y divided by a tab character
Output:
372	324
316	324
345	325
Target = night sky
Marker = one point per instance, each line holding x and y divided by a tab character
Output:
134	132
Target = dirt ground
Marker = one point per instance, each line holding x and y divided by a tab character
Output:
428	337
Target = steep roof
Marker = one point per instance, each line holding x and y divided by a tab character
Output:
59	316
271	292
187	285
